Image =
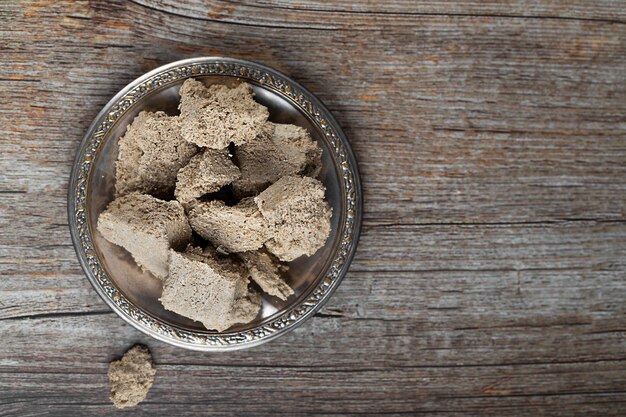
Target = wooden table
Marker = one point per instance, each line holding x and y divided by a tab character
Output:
491	274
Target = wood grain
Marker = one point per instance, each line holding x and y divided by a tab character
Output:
490	276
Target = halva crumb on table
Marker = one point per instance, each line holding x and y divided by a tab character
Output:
131	377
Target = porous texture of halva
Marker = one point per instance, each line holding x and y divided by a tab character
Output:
237	228
210	290
217	115
279	150
267	272
300	216
206	173
150	155
147	228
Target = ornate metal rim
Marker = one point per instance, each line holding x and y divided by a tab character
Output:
257	74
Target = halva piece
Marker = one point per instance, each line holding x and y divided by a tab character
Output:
210	290
295	206
215	116
131	377
235	228
206	173
150	155
147	228
279	150
267	273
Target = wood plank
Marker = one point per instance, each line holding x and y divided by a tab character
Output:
552	246
406	375
336	342
306	391
321	14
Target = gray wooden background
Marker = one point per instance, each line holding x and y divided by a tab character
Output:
491	274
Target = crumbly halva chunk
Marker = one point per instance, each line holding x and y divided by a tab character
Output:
279	150
206	173
150	154
267	272
131	377
295	206
147	228
237	228
209	290
217	115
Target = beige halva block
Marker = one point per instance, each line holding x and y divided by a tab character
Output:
206	172
267	272
300	216
279	150
210	289
150	154
237	228
147	228
217	115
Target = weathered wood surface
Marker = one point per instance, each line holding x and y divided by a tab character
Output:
491	274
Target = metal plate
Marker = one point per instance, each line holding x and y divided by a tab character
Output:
133	294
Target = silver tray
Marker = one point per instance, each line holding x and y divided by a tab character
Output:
133	294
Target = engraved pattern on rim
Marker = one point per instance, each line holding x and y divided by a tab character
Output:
275	82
